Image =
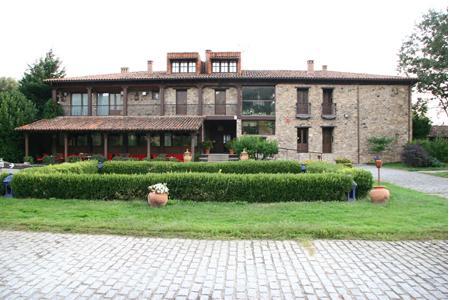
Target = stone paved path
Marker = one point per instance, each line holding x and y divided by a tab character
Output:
413	180
69	266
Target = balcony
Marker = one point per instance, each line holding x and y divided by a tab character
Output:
303	111
329	111
258	108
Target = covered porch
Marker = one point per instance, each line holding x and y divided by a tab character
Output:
134	137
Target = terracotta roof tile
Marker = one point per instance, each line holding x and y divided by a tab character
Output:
245	74
118	123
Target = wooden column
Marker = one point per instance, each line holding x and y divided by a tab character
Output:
200	100
53	95
192	145
125	100
162	100
66	146
105	145
89	101
149	145
27	144
239	101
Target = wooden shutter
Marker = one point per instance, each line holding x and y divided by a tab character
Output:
220	102
303	101
303	140
327	139
327	101
181	102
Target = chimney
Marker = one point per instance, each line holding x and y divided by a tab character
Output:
310	65
324	67
124	70
150	66
208	62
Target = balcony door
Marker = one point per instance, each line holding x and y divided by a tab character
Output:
327	101
181	102
303	101
220	102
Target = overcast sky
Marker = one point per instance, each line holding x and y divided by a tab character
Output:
94	37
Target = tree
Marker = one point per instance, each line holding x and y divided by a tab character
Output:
15	110
52	110
8	84
32	84
379	144
424	54
421	123
257	147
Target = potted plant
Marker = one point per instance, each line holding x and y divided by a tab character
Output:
230	146
379	194
207	145
158	195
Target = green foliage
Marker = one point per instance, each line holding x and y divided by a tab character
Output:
421	123
436	148
8	84
124	158
72	159
185	186
85	167
424	54
207	144
344	161
51	110
230	145
257	147
28	159
414	155
97	157
379	144
2	188
15	111
316	166
363	178
238	167
49	160
32	84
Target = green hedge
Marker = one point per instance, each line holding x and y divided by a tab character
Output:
237	167
85	167
186	186
2	189
363	178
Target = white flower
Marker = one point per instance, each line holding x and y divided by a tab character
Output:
159	188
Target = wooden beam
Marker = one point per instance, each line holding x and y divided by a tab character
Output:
27	150
105	145
162	100
239	101
66	146
149	145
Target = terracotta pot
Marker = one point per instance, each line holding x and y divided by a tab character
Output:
206	150
244	155
231	151
187	156
157	200
379	194
378	163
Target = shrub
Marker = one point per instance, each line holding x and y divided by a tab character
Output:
160	157
316	166
379	144
414	155
257	147
436	148
124	158
28	159
72	159
239	167
49	160
86	167
185	186
97	157
344	161
2	188
363	178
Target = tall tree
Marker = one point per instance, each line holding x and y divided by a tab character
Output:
424	54
32	84
15	110
421	123
8	84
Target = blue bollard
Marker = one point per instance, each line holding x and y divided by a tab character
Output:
352	194
7	185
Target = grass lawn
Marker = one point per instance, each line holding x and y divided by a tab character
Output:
408	215
401	166
439	174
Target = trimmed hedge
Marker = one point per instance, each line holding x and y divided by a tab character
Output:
237	167
185	186
363	178
2	177
85	167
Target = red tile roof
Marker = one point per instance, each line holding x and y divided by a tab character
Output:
224	55
116	123
245	74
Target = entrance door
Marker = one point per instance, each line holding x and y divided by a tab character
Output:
303	140
327	139
220	102
181	102
220	132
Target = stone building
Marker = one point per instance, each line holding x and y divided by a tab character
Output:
313	114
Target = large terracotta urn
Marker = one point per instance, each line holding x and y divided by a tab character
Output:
157	200
379	194
244	155
187	156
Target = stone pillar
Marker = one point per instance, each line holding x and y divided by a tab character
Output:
192	145
54	95
105	145
239	101
125	100
200	100
89	101
66	146
27	148
149	145
162	100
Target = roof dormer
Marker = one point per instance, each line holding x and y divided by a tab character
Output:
223	62
183	62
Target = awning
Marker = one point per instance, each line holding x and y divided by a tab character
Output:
116	123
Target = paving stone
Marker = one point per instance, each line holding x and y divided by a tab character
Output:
72	266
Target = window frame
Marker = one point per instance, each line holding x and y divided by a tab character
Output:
83	107
258	122
183	66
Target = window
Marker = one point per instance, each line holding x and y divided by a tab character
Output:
220	102
327	105
260	127
303	140
79	105
181	140
258	100
97	139
81	140
167	139
116	140
181	102
302	101
132	139
102	104
224	66
115	101
183	66
327	139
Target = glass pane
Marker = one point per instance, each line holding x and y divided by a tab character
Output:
116	140
258	93
181	140
81	140
76	105
96	139
102	104
233	66
215	67
192	67
224	66
167	139
156	140
183	68
266	127
175	67
132	139
249	127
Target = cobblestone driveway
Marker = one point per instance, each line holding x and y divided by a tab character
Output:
45	265
412	180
